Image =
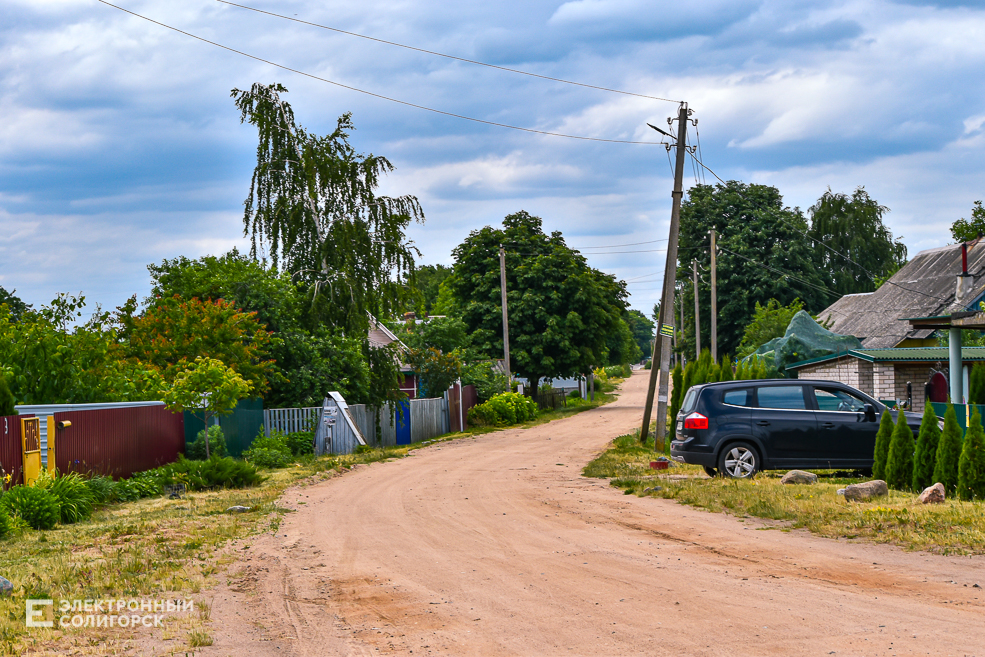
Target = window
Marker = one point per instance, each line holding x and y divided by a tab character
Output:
737	397
833	399
788	397
689	401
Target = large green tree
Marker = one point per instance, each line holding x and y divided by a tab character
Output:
560	309
965	230
642	328
852	226
763	254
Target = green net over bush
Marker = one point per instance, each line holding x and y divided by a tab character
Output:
804	339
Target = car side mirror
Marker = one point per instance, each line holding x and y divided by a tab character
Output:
870	410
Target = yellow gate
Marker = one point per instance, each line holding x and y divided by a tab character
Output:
31	441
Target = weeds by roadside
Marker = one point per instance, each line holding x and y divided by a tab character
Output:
954	527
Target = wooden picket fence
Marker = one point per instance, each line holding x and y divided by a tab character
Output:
291	420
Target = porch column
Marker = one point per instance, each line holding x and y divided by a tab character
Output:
955	369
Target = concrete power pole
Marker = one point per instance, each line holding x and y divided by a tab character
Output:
506	319
661	356
714	299
697	311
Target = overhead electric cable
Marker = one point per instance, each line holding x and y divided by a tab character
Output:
614	246
780	271
373	94
441	54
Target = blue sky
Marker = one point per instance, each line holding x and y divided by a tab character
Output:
120	146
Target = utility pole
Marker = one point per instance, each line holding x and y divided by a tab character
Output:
697	311
661	356
714	300
506	319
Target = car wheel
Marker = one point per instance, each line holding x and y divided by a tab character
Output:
710	471
738	461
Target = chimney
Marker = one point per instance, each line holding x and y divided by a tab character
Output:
965	280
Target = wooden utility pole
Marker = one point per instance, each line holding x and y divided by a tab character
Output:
506	319
697	311
714	300
661	356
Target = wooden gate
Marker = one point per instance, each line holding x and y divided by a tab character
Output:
31	442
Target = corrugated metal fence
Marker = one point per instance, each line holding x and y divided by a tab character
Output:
11	450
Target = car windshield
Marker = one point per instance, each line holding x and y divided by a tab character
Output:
833	399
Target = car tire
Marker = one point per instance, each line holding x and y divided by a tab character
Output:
738	461
710	471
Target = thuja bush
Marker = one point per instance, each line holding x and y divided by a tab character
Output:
926	456
503	410
948	452
883	438
899	465
971	465
35	506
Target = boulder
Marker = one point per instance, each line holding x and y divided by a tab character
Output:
239	509
933	494
799	477
6	587
866	491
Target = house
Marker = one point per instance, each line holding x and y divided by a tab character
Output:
381	336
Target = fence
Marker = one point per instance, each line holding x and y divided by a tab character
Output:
428	418
551	400
11	450
239	428
291	420
963	411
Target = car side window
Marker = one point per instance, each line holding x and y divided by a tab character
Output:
737	397
785	397
833	399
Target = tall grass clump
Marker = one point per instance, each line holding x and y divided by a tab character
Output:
36	507
75	500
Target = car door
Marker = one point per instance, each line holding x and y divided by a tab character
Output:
785	424
847	436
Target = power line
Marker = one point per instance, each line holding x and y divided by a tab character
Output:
780	271
376	95
613	246
440	54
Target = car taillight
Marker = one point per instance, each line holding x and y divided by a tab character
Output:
695	421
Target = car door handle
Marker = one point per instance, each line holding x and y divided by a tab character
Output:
828	425
763	423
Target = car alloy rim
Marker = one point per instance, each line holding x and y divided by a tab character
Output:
740	462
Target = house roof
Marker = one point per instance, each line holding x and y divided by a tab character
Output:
923	287
898	355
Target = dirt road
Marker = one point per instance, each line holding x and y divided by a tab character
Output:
497	546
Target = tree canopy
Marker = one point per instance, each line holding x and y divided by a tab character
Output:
560	309
965	230
852	226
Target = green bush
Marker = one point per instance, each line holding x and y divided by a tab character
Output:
899	465
883	438
618	371
6	525
648	365
202	475
75	500
948	452
6	398
503	410
488	382
971	466
726	369
301	442
102	489
930	436
35	506
217	444
269	450
677	389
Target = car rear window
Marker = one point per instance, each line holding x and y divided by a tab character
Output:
737	397
787	397
689	400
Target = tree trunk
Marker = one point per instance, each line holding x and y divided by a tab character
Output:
534	382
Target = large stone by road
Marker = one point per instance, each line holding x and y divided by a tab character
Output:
497	546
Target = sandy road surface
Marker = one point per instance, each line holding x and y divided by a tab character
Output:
497	546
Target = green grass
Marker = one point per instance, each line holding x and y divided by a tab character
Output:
954	527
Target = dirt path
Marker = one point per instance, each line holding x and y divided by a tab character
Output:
497	546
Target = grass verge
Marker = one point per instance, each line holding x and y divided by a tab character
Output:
954	527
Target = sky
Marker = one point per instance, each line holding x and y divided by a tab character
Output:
120	145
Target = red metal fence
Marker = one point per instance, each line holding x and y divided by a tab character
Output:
460	400
118	441
11	450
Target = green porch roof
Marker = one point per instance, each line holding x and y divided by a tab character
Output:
898	355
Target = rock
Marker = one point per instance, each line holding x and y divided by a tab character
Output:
652	489
239	509
799	477
6	587
866	491
933	494
841	491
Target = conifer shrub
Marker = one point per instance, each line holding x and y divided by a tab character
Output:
899	465
971	464
35	506
926	456
883	438
726	369
948	452
714	373
688	378
677	393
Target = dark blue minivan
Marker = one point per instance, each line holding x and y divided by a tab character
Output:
737	428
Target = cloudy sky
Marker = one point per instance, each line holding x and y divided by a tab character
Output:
120	146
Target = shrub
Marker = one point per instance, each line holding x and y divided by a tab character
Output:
677	389
948	452
503	410
301	442
74	497
930	436
971	465
217	444
899	465
269	450
215	473
35	506
6	398
618	372
648	365
101	488
726	369
488	382
6	525
883	438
